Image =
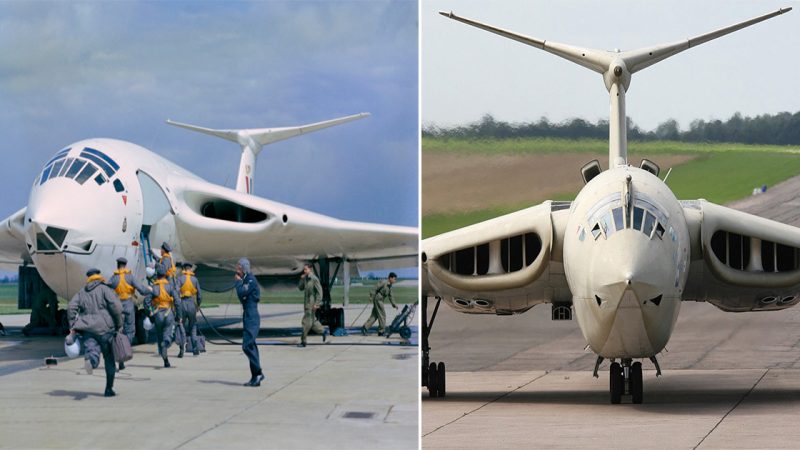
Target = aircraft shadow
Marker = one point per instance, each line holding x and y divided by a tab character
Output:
689	401
76	395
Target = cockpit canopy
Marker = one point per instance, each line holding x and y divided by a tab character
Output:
91	163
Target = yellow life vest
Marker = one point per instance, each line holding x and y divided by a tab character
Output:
95	277
163	300
188	289
170	270
123	289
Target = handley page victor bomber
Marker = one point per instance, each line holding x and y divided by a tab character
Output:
622	255
100	199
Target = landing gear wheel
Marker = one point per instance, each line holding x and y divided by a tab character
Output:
636	383
616	383
433	381
405	332
441	374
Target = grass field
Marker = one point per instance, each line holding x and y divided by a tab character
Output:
719	173
358	295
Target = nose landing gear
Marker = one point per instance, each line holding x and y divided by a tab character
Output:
626	379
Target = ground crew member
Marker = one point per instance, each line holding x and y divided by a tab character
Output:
96	313
383	290
124	284
312	293
44	309
249	295
189	289
162	302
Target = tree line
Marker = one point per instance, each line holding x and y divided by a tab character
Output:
778	129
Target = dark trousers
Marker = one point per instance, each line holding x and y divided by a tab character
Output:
252	323
96	345
165	325
189	312
129	319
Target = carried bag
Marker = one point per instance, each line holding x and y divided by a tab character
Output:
201	344
122	348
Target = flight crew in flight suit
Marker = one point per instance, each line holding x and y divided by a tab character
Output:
383	290
162	301
166	260
312	293
96	313
189	289
249	295
124	284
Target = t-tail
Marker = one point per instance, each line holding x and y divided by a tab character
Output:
616	68
253	140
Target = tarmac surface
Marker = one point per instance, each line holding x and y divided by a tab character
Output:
729	380
354	392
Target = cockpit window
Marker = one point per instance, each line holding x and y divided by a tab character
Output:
83	168
64	168
638	214
620	224
87	172
103	162
607	216
76	166
649	221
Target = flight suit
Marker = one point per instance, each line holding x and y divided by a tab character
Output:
96	313
168	262
312	292
383	290
162	300
249	294
124	284
191	298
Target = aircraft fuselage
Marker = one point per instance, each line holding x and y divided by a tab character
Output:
626	259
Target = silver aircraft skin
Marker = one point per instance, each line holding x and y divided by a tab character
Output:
623	255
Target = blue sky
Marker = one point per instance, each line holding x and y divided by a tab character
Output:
70	71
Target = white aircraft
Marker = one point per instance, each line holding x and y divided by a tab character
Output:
99	199
623	254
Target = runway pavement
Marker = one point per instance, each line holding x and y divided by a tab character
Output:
729	380
355	392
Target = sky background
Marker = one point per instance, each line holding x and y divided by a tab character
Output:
70	71
468	72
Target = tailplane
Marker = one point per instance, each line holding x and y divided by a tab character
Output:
253	140
616	68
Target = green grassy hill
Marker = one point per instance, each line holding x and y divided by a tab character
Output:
719	173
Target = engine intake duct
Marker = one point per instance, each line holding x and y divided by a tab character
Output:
501	256
751	254
230	211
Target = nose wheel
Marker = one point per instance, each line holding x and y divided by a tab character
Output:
626	379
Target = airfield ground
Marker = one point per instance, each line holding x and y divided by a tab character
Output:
729	380
355	392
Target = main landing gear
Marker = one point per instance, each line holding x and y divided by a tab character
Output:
433	374
626	379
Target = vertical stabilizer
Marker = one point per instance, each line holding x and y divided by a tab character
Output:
616	67
253	140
